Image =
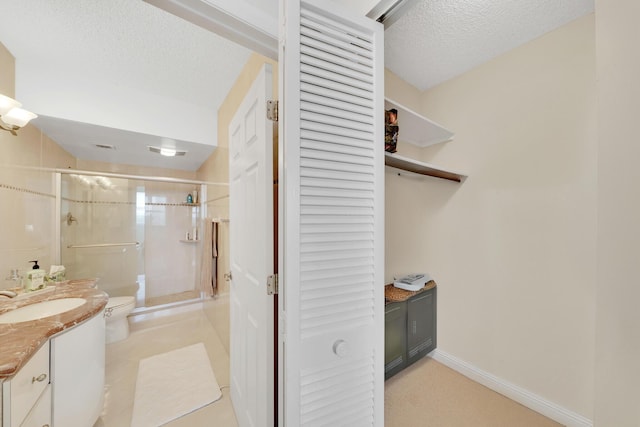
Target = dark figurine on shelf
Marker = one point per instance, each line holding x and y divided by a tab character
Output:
391	130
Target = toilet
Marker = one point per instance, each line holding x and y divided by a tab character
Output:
115	314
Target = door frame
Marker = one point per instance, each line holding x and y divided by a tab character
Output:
234	20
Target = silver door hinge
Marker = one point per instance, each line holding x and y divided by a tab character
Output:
272	110
272	284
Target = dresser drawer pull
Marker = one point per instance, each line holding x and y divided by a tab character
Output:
39	378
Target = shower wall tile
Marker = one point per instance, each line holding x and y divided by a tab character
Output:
170	264
27	211
105	212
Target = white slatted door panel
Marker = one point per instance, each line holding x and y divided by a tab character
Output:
333	218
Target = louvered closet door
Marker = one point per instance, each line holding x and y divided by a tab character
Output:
332	189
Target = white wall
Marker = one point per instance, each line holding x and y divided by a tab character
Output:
513	249
67	94
618	293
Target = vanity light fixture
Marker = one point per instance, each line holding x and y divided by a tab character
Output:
12	117
168	152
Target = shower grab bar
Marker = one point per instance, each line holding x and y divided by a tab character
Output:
103	245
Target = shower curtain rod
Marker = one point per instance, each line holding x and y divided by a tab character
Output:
140	177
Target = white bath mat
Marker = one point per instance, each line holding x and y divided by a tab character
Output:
173	384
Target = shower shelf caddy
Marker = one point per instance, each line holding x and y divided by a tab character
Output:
197	217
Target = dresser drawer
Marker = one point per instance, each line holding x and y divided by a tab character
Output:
26	387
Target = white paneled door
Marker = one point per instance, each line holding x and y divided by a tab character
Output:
251	247
332	217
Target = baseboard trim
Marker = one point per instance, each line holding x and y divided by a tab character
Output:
514	392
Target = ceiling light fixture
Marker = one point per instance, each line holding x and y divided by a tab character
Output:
168	152
12	117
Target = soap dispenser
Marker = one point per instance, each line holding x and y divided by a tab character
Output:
34	279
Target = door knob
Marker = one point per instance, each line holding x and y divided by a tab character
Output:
340	348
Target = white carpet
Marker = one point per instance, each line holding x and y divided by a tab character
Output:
173	384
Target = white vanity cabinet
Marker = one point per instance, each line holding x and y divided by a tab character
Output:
40	415
62	385
77	374
21	393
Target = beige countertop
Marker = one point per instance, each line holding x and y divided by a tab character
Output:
19	341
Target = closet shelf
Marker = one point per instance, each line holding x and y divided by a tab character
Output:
417	129
406	164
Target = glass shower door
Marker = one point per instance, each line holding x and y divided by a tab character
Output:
137	237
100	233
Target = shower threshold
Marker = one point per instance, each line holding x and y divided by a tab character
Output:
172	298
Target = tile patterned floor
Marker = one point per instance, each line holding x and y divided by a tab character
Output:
157	334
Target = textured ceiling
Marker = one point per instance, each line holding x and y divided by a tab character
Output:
123	41
440	39
138	46
127	43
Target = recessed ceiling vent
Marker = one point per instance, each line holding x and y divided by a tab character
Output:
106	147
169	152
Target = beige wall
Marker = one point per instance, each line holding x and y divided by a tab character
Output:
216	169
7	72
26	195
618	293
513	248
30	147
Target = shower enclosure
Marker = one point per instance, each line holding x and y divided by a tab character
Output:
138	236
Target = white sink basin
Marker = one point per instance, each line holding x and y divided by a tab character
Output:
41	310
